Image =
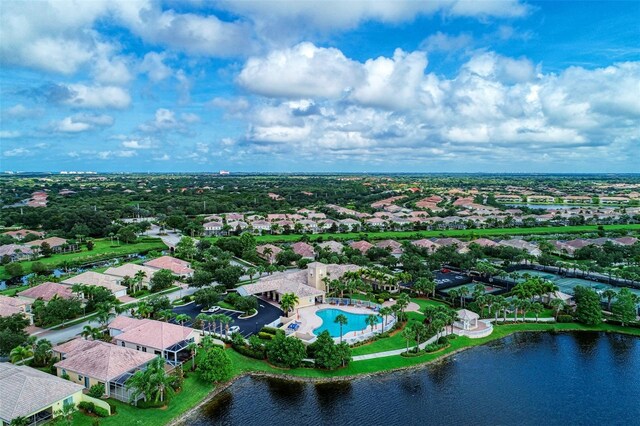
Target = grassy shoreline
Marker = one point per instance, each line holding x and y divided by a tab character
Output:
197	393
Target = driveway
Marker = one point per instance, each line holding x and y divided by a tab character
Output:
267	313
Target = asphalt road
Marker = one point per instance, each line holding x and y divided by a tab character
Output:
267	313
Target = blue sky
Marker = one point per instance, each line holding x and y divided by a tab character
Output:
397	86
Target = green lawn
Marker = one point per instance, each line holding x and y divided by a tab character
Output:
103	249
194	391
464	233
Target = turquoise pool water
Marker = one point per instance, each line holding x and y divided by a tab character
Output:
356	322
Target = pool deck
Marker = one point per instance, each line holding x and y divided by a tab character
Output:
308	320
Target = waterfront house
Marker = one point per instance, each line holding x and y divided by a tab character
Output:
160	338
16	252
33	394
91	362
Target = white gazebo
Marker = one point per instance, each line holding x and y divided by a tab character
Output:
467	320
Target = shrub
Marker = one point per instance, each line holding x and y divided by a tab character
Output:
95	422
265	336
270	330
89	407
96	390
251	353
443	340
152	404
565	318
100	412
114	407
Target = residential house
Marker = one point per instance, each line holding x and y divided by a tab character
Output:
213	227
392	245
109	282
577	199
16	252
362	246
93	362
33	394
261	225
530	248
427	244
540	199
14	305
46	291
130	270
164	339
332	246
178	267
21	233
269	257
303	249
350	224
55	243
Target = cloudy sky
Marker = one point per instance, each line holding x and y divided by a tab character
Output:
444	85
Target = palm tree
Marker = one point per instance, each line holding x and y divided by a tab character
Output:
103	313
225	320
182	318
464	292
143	310
267	252
251	272
419	331
384	312
193	349
42	352
371	321
609	294
288	302
341	320
19	354
139	277
166	315
402	302
91	332
153	382
557	305
537	308
407	334
203	319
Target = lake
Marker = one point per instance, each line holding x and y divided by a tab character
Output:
524	379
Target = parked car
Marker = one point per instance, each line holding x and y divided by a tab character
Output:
210	310
234	329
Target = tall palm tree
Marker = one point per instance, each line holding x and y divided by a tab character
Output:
407	334
19	354
154	383
537	308
42	352
371	321
288	302
557	305
402	302
225	320
251	272
193	349
385	311
609	294
203	319
94	333
341	320
182	318
139	277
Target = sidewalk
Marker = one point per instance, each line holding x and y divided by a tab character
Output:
397	351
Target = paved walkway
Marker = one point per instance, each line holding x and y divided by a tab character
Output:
398	351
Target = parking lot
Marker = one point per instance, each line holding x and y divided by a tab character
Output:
267	313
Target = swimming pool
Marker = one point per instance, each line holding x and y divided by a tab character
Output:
356	322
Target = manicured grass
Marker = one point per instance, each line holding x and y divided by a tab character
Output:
464	233
194	390
103	249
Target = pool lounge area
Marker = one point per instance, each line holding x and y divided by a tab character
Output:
310	321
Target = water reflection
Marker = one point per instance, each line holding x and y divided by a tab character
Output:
547	379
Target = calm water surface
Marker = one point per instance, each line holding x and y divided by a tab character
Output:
525	379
